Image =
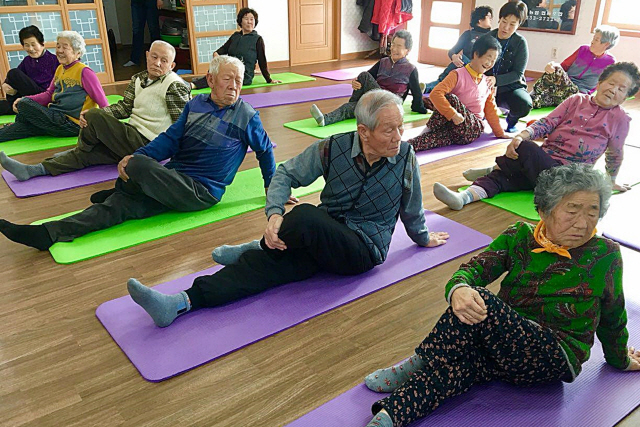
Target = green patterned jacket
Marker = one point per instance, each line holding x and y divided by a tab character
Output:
575	298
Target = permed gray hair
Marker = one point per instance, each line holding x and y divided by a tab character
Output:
220	60
406	36
75	39
608	34
169	46
370	104
556	183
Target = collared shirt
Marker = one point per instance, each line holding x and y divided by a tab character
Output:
177	96
314	162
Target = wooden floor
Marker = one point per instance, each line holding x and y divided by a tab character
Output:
59	367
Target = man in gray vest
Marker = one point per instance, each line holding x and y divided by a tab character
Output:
153	101
372	178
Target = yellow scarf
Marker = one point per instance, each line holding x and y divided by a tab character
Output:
548	245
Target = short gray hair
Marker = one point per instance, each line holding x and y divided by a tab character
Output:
406	36
370	104
556	183
169	46
75	39
608	34
220	60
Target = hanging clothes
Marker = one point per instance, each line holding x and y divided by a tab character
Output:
365	23
389	14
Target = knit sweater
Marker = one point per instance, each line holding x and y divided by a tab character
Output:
74	88
584	68
576	298
580	131
476	97
41	70
208	143
399	77
366	198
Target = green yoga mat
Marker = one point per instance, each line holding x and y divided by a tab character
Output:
537	114
245	194
519	203
259	81
310	127
39	143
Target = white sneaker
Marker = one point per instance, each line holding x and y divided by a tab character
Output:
129	64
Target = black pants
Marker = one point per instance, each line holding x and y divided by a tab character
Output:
23	84
519	174
505	346
315	242
518	102
104	141
150	190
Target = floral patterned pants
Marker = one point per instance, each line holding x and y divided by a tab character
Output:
551	89
443	132
505	346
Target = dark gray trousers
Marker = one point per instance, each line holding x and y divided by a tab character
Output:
35	120
347	110
104	141
150	190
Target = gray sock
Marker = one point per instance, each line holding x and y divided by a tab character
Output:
381	419
388	379
230	254
475	173
21	171
62	153
455	201
162	308
317	114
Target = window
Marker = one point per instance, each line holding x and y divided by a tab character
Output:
617	13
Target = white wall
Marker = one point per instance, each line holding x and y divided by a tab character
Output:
273	27
540	44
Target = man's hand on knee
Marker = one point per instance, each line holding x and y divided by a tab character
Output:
121	167
271	238
82	120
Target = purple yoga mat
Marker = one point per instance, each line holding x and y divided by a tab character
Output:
352	73
50	184
296	96
428	156
600	396
204	335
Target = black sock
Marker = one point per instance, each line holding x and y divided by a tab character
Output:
35	236
101	196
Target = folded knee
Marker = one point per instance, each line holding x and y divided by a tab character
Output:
138	165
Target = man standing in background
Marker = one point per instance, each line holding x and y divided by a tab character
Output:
143	12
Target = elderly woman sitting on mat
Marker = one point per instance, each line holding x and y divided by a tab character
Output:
580	130
56	111
579	72
393	73
563	286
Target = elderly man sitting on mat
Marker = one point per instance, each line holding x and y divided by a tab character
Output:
153	101
563	286
372	178
206	146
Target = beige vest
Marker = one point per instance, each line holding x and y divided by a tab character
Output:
150	115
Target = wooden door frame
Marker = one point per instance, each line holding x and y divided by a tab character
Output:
424	27
336	28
